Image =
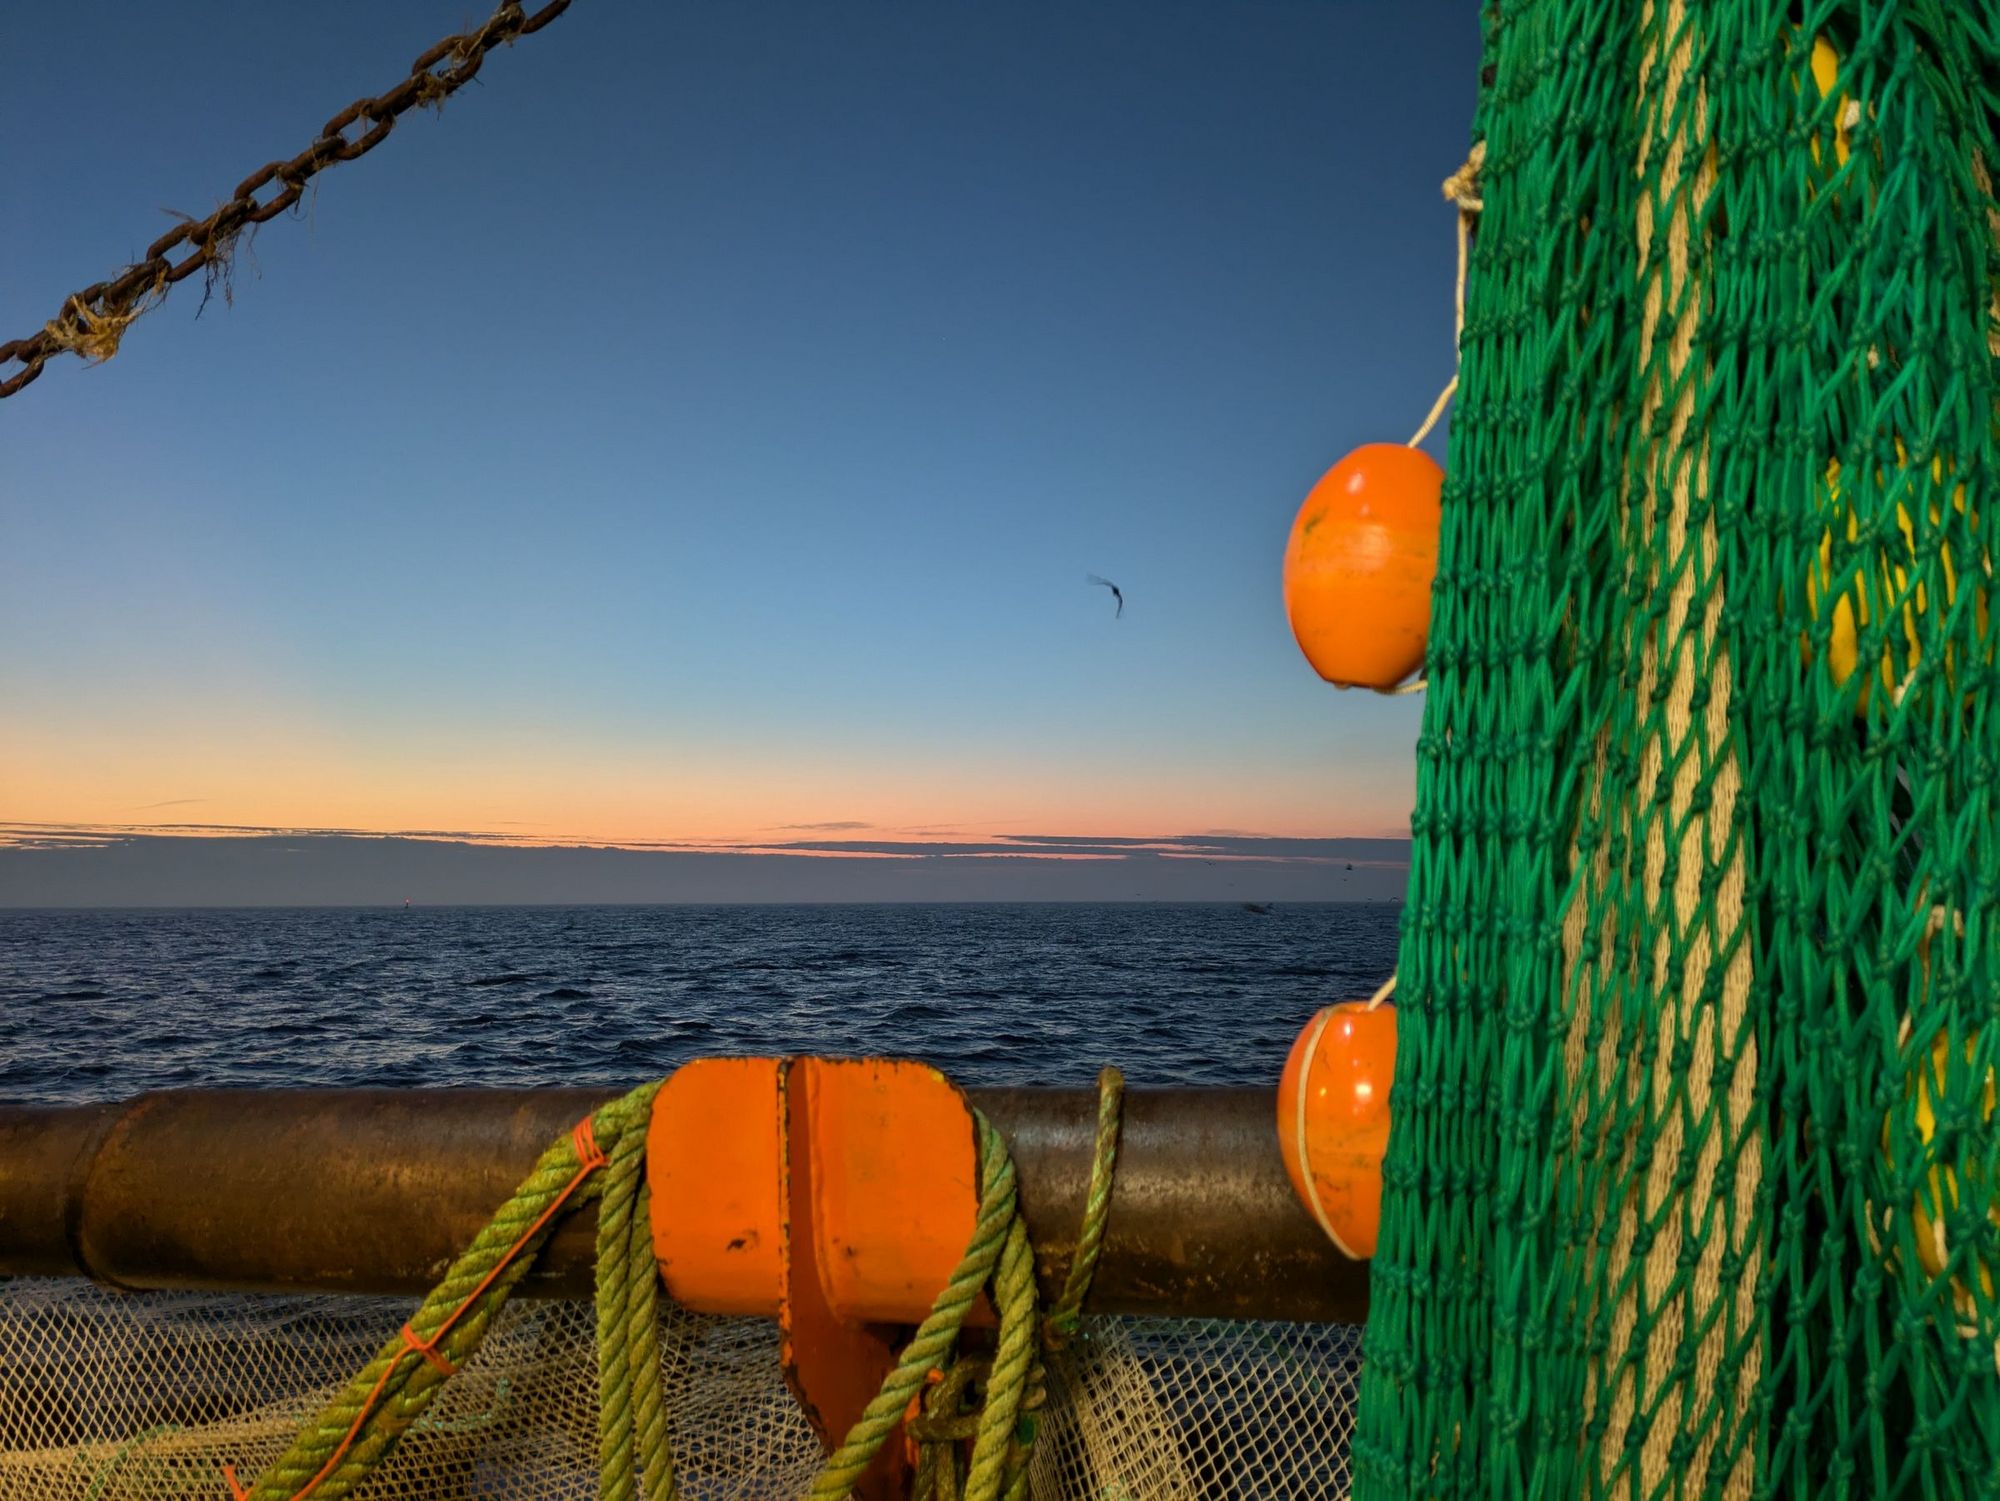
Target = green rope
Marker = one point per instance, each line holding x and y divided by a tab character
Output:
1014	1288
631	1421
932	1344
1004	1423
953	1413
389	1394
950	1417
333	1453
1063	1320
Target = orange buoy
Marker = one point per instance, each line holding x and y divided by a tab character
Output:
1359	565
1333	1119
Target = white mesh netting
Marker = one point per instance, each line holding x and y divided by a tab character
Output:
109	1396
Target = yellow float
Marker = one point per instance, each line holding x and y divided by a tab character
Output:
1825	69
1881	580
1965	1174
1887	579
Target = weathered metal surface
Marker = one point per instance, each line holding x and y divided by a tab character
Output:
1203	1218
374	1191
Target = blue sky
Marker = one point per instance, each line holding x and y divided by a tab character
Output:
706	423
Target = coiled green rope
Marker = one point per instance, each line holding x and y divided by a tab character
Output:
335	1451
633	1457
1003	1425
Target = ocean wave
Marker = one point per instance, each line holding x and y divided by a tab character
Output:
516	997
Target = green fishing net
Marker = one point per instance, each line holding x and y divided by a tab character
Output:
1691	1188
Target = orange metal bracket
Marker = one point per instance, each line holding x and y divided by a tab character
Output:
838	1195
715	1161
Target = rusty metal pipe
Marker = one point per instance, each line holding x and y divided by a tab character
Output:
376	1190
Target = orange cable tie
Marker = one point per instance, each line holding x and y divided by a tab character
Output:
589	1160
428	1349
583	1137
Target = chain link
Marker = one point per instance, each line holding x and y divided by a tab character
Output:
92	321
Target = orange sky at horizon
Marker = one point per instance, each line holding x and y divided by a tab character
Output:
281	773
245	742
251	740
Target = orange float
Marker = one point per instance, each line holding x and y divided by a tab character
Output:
1359	565
1333	1119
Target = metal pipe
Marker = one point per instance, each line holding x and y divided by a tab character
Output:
376	1190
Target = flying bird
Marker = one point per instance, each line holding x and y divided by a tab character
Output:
1116	592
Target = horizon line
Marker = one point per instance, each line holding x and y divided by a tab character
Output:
28	835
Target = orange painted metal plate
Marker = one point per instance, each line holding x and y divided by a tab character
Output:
885	1147
894	1184
880	1172
837	1194
714	1161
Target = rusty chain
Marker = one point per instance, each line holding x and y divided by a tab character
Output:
92	321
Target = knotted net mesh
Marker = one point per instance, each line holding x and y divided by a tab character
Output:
108	1396
1691	1185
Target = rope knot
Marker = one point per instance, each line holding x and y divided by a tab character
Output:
1057	1333
1462	187
951	1405
951	1408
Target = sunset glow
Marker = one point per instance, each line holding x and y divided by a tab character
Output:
798	545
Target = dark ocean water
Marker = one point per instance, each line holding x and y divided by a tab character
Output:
99	1005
